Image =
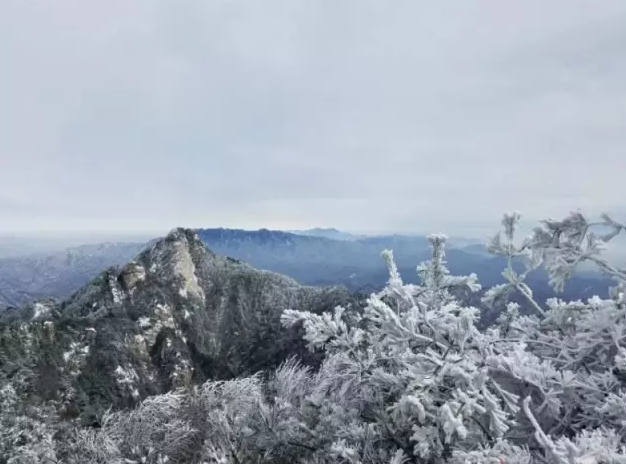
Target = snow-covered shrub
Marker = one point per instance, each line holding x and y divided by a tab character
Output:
418	378
413	379
26	432
153	433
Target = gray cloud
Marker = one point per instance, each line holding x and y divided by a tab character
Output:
363	115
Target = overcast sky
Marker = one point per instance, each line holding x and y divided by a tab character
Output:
363	115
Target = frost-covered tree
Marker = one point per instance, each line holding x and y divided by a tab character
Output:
581	342
26	431
412	379
419	376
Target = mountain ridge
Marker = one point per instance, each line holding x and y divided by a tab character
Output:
328	232
56	275
309	260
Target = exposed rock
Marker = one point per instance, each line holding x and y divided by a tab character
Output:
131	275
41	310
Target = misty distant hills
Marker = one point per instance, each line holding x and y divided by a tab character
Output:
331	233
309	257
57	275
475	249
315	260
357	263
47	243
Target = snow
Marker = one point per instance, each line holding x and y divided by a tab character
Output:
125	376
40	310
75	357
162	318
140	273
182	369
115	291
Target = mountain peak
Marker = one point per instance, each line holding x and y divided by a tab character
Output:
183	237
175	258
327	232
176	314
182	232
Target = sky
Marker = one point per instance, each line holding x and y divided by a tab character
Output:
368	116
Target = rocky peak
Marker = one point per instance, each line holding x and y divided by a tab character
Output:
131	275
175	258
176	314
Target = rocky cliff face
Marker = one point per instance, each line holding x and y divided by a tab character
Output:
175	315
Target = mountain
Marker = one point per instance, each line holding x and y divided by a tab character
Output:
175	315
12	246
57	275
178	314
308	259
476	249
315	260
330	233
357	264
28	243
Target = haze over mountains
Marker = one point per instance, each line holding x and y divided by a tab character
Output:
45	243
58	274
316	257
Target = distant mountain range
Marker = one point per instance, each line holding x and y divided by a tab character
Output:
331	233
41	243
24	279
357	264
311	257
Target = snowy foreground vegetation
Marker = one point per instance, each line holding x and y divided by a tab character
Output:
408	380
